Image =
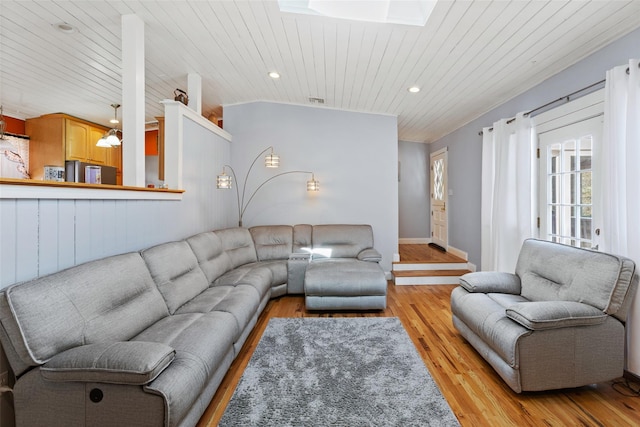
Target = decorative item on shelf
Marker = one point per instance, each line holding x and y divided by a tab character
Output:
225	182
181	96
110	139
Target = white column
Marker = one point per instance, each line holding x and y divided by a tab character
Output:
173	129
133	99
194	91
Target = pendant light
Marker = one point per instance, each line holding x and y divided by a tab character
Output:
110	139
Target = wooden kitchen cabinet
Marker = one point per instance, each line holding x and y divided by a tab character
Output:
57	137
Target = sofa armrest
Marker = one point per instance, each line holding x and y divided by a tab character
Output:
370	254
491	282
541	315
129	362
296	268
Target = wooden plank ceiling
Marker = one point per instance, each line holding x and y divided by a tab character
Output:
470	57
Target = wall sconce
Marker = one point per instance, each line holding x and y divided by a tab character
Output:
224	181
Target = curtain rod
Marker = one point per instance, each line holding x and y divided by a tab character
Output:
565	98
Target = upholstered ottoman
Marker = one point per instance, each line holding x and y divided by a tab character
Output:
345	284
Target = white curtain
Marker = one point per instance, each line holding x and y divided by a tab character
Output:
621	181
508	207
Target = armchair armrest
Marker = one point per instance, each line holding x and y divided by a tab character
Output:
130	362
370	254
491	281
541	315
296	268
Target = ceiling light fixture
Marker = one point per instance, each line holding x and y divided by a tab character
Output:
63	27
414	89
110	139
274	75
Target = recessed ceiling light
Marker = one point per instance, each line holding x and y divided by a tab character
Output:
414	89
274	75
63	27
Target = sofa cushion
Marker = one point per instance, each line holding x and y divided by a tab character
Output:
253	275
111	299
272	242
127	362
550	271
174	267
371	255
241	301
341	240
540	315
237	242
213	259
486	317
491	281
302	238
199	353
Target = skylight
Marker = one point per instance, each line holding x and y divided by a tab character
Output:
407	12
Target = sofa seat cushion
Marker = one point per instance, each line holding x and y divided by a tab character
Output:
253	275
241	301
486	316
279	273
128	362
199	353
344	277
540	315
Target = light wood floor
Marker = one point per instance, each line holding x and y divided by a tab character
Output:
476	394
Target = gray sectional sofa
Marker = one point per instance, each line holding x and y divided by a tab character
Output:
145	338
558	322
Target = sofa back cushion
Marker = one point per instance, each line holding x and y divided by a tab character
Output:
302	238
272	242
213	259
551	271
176	272
237	242
111	299
341	240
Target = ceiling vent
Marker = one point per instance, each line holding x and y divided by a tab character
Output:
315	100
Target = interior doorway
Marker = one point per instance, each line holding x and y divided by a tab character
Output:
439	211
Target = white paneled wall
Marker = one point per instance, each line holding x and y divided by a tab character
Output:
38	237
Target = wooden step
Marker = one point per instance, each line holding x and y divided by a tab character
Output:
428	266
428	277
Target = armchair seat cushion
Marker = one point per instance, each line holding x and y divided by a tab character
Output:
540	315
126	362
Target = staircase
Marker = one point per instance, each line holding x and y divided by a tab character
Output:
422	265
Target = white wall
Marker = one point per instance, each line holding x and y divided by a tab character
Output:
413	190
354	156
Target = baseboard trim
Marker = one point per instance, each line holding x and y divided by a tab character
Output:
414	241
631	376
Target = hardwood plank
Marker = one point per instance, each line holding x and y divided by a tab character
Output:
475	392
413	253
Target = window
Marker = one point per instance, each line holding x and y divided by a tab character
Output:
569	140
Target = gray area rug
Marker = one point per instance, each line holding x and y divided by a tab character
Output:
337	372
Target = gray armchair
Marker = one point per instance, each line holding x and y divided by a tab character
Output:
558	322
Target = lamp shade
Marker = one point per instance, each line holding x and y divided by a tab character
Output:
272	160
102	142
313	185
224	181
112	138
